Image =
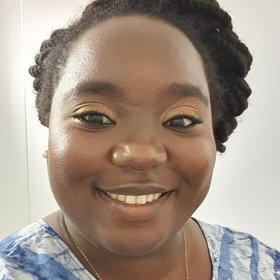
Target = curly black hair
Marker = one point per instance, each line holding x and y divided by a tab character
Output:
226	59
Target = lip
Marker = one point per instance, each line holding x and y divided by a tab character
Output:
137	189
136	212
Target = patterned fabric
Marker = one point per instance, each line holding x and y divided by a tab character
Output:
37	252
240	256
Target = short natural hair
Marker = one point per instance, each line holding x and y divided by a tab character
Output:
226	59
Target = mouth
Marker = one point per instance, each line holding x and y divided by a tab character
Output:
142	199
136	194
137	203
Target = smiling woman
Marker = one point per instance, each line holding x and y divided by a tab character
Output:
134	134
138	97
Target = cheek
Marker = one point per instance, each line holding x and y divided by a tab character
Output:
194	165
73	153
74	160
195	162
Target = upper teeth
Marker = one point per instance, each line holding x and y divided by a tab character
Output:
135	199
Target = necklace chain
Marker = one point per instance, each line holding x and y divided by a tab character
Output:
97	274
186	256
83	254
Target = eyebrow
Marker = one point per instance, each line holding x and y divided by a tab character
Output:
117	93
105	89
179	90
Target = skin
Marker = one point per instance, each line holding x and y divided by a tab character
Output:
143	58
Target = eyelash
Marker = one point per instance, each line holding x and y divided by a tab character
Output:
192	118
82	117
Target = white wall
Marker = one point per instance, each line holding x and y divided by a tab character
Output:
14	202
246	186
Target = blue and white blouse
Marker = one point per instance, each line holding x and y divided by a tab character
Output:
37	252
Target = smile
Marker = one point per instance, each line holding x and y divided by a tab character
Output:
136	204
136	199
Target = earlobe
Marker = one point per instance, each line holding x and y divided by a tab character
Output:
45	154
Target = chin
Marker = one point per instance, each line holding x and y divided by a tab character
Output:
131	243
132	248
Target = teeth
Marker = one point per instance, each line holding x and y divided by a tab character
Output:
150	197
135	199
130	199
156	196
141	199
120	197
115	196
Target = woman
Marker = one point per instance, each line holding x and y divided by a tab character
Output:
138	96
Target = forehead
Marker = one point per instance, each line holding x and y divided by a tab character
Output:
134	52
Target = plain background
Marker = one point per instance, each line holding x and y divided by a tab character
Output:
246	186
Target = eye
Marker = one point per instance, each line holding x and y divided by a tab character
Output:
94	118
182	121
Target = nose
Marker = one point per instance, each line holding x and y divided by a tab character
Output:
139	155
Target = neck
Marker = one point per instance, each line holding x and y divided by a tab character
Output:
164	263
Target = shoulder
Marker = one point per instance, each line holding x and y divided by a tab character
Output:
236	254
37	252
35	238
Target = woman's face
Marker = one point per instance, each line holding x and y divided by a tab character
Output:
131	117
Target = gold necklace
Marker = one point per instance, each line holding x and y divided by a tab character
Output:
186	256
97	274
